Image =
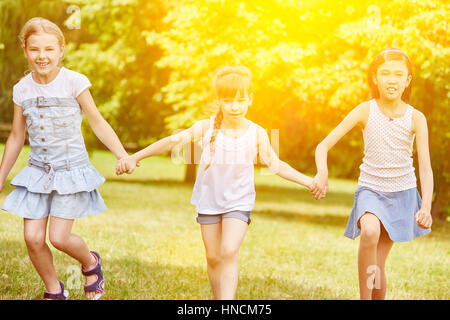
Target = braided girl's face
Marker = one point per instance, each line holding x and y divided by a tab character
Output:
236	108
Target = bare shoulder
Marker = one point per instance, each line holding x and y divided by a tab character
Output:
418	115
363	110
363	106
199	128
201	124
204	124
418	120
359	114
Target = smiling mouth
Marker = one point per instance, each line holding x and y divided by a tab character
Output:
391	90
42	64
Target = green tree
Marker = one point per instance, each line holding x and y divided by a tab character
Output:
309	61
110	49
13	65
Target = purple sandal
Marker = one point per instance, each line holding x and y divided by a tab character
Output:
62	295
99	285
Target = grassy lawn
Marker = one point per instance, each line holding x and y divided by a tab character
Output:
151	245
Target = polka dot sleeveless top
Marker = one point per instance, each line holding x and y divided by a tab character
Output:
388	146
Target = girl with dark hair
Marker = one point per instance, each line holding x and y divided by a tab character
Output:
387	206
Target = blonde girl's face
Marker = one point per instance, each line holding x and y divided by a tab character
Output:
392	78
235	108
43	52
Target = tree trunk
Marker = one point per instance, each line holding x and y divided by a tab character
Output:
190	164
441	166
441	202
442	188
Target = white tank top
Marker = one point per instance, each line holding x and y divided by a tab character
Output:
228	184
388	145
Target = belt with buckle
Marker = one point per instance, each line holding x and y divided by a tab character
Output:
51	168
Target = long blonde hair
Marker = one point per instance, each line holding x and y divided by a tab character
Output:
228	82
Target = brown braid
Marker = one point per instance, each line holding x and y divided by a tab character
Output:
217	123
243	72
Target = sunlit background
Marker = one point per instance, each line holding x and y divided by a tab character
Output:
151	64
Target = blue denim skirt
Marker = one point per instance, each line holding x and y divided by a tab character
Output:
395	210
68	194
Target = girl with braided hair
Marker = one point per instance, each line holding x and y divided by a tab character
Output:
224	191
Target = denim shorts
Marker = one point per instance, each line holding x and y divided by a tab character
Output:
216	218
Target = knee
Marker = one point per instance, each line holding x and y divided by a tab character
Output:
370	235
34	241
57	240
229	254
213	259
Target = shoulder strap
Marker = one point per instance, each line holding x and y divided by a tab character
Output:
372	105
255	129
409	117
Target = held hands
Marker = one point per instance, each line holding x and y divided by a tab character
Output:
126	165
423	218
319	186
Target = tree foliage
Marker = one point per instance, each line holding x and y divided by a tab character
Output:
151	64
110	49
13	66
309	61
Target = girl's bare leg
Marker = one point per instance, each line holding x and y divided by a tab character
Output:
62	238
367	254
211	235
39	252
383	248
233	232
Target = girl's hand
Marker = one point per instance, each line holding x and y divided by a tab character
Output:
118	171
423	218
319	187
126	164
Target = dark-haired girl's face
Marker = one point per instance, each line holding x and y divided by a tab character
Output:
392	78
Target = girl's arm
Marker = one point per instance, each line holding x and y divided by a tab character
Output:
101	128
280	168
423	216
357	116
164	145
13	145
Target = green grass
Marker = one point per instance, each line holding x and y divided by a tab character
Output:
151	245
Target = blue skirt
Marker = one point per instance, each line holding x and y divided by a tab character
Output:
395	210
70	194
